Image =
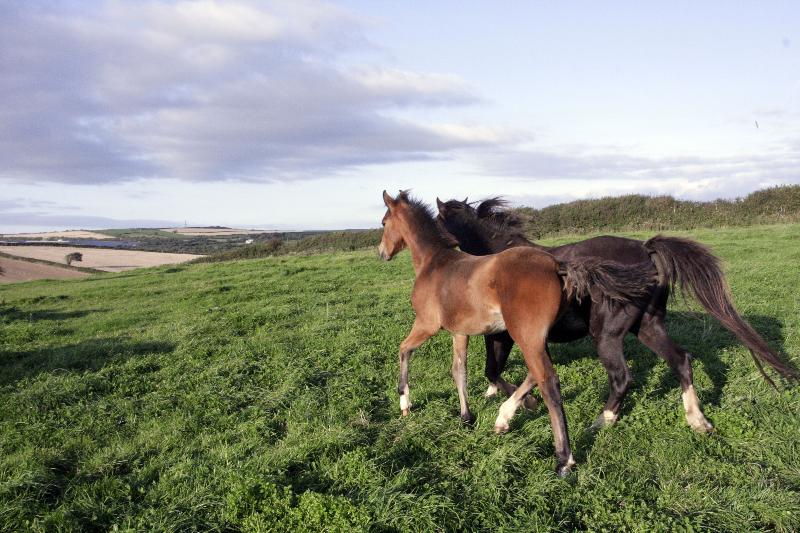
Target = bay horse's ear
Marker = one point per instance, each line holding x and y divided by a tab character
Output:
440	205
388	200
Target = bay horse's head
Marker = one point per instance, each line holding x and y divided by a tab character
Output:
392	241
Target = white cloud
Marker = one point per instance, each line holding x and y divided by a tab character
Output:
781	165
206	91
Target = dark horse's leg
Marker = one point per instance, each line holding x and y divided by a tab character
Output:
653	333
609	325
498	347
609	348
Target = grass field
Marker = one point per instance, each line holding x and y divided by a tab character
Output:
260	395
105	259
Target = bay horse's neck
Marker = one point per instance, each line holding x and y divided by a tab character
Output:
423	245
422	250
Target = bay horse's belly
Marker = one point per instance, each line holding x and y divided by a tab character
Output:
475	319
467	298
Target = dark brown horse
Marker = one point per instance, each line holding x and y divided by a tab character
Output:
490	229
522	291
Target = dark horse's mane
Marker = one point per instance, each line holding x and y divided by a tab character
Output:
425	222
494	213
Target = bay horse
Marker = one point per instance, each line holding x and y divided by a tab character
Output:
490	228
522	290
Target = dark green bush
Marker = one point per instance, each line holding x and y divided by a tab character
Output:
248	251
643	213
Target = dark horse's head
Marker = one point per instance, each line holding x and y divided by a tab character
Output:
482	228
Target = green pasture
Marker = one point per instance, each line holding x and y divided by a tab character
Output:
260	396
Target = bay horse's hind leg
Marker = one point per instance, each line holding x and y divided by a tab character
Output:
459	372
498	347
510	406
541	371
653	334
418	335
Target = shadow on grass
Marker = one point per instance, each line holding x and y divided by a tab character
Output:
89	355
15	314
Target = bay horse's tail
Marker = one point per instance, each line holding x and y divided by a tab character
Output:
695	269
603	279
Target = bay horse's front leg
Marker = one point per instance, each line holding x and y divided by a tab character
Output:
418	335
459	372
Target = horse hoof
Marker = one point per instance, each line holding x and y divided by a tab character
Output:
606	418
699	423
530	403
468	419
404	412
702	426
564	471
500	429
566	468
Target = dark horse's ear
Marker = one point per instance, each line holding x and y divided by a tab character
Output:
440	205
388	200
465	199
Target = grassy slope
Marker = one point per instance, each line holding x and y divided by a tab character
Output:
261	393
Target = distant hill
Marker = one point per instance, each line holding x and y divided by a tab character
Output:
633	212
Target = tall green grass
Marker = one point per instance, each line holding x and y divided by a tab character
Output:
260	396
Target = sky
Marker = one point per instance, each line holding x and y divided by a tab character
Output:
298	114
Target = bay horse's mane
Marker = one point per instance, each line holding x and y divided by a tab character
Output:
424	221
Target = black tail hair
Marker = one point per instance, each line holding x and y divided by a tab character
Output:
696	270
603	279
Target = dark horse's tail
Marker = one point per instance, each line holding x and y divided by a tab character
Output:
695	269
603	279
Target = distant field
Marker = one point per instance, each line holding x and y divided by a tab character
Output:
136	233
109	260
15	271
68	234
259	395
211	232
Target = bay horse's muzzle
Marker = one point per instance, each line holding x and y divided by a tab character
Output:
382	253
